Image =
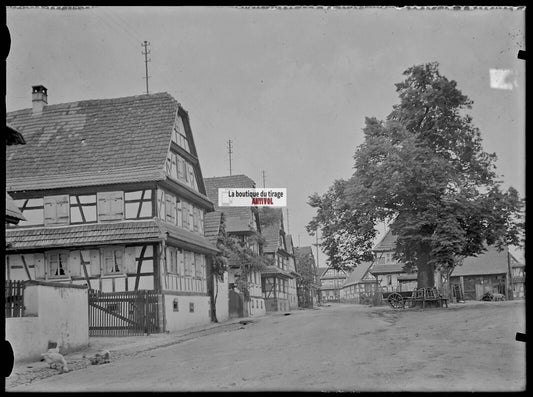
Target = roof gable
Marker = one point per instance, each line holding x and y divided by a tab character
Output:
387	243
357	274
91	142
237	219
273	233
491	261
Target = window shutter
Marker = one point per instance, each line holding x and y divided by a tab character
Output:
180	168
104	206
49	210
38	261
117	205
62	209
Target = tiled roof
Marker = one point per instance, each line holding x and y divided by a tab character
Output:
91	142
12	211
271	232
83	235
301	251
357	273
276	270
185	236
387	243
102	234
288	242
490	262
212	226
387	269
237	219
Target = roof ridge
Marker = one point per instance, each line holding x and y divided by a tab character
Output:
124	98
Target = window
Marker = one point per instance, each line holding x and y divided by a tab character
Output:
83	208
175	306
33	211
138	204
191	307
112	260
58	264
110	206
56	210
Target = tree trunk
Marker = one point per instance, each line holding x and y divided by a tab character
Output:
210	290
426	271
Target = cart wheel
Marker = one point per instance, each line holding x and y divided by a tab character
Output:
396	300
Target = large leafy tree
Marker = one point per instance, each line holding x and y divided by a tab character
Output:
423	169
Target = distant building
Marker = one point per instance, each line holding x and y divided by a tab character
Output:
279	279
491	271
331	282
360	286
308	284
243	224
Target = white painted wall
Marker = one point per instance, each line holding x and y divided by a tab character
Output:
58	314
183	318
222	303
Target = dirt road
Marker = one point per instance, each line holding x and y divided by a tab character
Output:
467	347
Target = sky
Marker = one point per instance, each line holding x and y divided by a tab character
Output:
289	87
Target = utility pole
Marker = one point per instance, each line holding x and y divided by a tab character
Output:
288	230
146	60
263	178
230	151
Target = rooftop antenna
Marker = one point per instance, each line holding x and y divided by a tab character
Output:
146	60
230	151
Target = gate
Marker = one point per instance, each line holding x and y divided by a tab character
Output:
14	303
123	313
236	304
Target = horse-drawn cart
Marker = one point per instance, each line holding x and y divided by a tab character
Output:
419	297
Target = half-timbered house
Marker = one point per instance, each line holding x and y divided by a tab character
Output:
243	224
276	277
308	283
331	281
113	196
360	286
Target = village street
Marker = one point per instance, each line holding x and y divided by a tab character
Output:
467	347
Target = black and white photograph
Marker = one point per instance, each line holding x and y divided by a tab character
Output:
265	199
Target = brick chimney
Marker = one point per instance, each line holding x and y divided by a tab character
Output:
39	98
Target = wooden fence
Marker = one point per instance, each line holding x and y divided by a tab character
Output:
123	313
14	303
